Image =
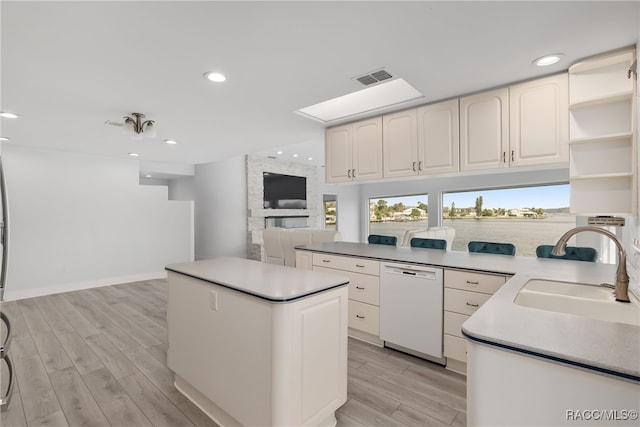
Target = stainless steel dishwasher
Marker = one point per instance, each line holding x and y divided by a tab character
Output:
411	309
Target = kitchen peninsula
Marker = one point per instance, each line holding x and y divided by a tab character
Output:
505	339
258	344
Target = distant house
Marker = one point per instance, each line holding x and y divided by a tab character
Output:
524	212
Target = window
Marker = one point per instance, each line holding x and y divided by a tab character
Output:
395	216
330	212
525	216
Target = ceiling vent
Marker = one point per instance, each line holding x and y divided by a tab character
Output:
375	77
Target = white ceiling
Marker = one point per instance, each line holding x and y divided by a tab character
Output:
67	67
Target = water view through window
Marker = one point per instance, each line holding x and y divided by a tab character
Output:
525	216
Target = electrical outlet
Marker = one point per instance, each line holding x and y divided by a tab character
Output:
213	300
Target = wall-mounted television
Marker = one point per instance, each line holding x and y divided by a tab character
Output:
284	191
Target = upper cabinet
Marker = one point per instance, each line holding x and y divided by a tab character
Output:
421	141
539	121
438	137
522	125
354	151
400	147
602	135
484	130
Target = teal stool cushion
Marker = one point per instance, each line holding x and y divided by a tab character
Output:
378	239
574	253
418	242
492	248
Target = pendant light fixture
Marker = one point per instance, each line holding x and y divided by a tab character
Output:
137	126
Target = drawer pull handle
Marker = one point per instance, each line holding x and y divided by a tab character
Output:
359	316
472	305
359	265
326	260
469	282
360	287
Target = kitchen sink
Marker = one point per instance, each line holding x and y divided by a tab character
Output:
578	299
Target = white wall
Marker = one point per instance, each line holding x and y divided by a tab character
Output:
78	221
221	209
182	188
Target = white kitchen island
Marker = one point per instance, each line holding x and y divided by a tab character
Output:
258	344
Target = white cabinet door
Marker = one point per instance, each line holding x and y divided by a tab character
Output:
539	121
438	137
338	154
484	130
367	149
400	144
304	260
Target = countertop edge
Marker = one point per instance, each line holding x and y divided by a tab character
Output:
268	282
257	295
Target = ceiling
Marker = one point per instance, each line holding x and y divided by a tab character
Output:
68	67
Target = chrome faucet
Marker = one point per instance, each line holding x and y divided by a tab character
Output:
622	278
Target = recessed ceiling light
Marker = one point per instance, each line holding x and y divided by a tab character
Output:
215	77
309	158
4	138
170	141
279	152
134	154
7	115
147	176
295	155
548	59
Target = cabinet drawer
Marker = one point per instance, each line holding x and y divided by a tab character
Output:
455	348
358	265
453	323
476	282
362	287
364	317
463	302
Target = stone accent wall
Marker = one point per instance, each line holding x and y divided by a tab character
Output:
256	214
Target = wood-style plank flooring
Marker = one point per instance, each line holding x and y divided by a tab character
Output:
97	357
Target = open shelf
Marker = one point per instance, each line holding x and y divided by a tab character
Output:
601	100
600	119
598	196
602	156
602	176
603	138
599	78
597	63
605	159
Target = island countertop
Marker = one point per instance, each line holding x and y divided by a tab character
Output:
270	282
563	338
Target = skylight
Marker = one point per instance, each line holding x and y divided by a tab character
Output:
365	100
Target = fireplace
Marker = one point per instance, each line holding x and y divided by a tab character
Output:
286	221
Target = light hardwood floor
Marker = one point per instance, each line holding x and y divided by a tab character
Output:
97	357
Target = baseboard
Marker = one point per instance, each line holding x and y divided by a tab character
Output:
17	294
